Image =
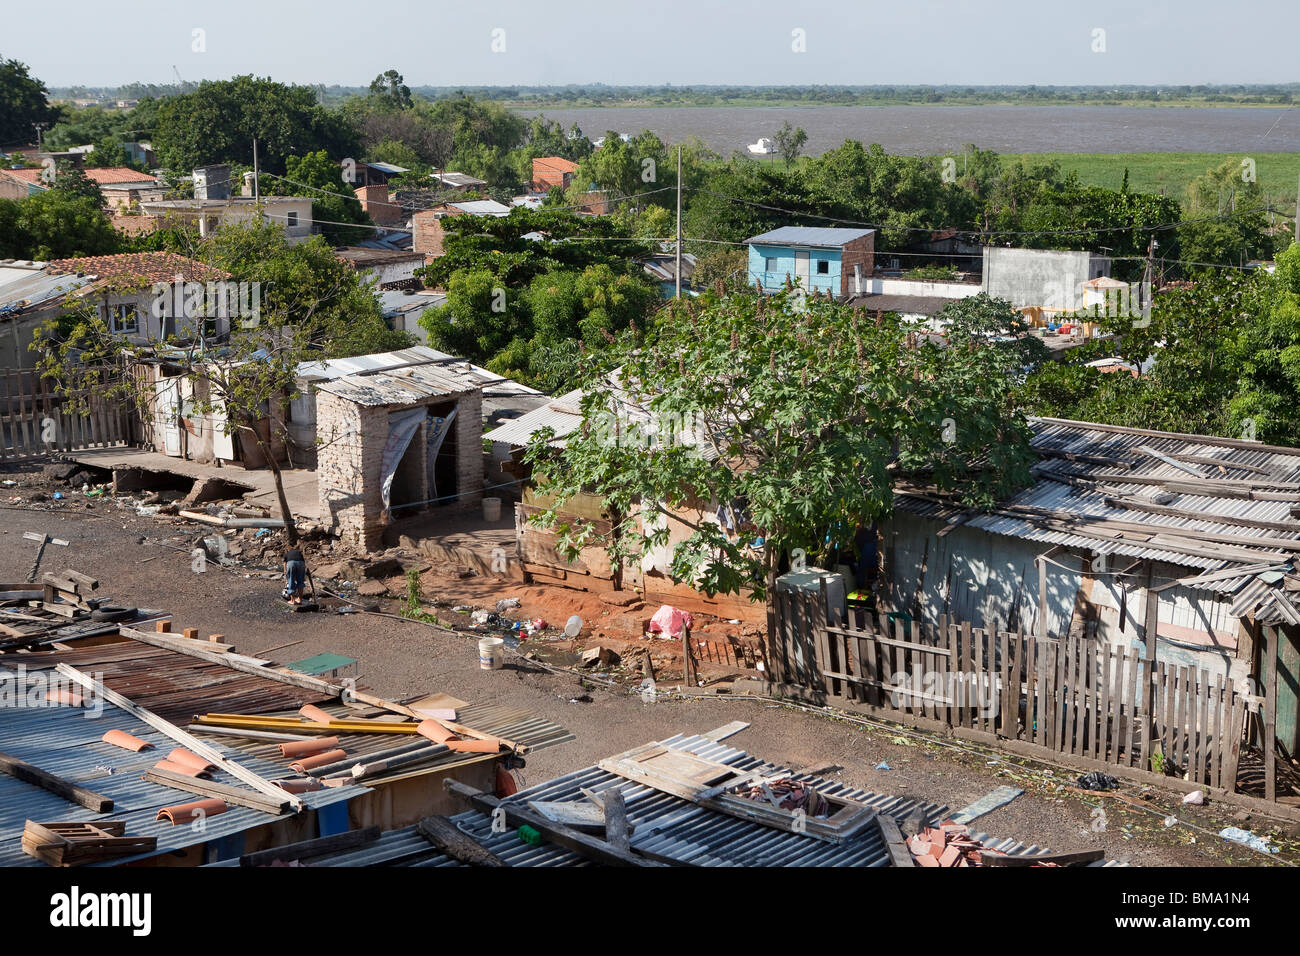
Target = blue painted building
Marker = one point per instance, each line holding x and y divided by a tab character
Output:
837	261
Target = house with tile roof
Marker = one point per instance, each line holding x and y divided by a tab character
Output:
123	188
127	291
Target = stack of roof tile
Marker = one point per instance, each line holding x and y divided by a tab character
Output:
950	844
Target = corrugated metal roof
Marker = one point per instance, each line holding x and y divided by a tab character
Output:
561	414
809	236
23	287
405	385
482	207
65	742
1076	491
671	826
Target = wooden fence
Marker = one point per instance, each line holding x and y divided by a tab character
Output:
1098	703
33	420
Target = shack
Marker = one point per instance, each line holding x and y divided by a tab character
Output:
1122	526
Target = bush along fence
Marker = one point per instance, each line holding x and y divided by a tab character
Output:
34	422
1071	700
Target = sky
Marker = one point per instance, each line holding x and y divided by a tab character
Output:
656	42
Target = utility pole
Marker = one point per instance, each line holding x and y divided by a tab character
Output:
255	171
678	270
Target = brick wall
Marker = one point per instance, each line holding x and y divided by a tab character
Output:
376	204
859	252
350	459
427	231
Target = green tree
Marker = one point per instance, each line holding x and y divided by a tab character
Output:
389	92
219	121
55	224
790	142
801	423
23	103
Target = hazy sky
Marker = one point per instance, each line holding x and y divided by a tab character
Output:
89	42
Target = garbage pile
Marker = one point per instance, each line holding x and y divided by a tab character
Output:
787	794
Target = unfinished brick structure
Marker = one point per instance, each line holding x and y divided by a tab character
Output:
356	416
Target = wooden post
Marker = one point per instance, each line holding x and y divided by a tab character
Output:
688	662
1269	648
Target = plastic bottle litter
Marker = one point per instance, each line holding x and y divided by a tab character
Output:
883	766
573	626
1246	838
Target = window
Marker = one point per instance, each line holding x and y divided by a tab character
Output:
823	267
770	264
292	220
123	319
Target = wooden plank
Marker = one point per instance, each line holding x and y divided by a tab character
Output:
1061	652
1060	859
1114	735
209	788
457	844
1141	714
1215	755
961	690
1101	745
899	854
189	741
1203	742
28	773
616	825
580	843
821	639
1232	737
853	650
1269	743
1168	679
726	730
1008	715
308	849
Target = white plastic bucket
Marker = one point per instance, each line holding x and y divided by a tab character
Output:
491	509
491	653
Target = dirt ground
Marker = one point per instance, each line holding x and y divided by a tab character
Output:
146	561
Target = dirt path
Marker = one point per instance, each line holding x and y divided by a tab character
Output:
145	561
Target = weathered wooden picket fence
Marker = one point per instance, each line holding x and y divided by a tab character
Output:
34	420
1097	703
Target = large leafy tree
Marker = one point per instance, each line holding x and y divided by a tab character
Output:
219	121
800	422
56	224
1227	217
23	103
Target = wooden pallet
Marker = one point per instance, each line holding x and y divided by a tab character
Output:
708	783
75	844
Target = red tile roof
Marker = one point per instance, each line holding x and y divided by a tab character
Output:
151	266
558	163
104	176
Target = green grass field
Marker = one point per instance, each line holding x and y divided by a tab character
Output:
1169	173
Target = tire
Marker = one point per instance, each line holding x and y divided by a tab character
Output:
112	613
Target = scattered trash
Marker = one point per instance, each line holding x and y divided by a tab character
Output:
787	794
347	609
506	604
1098	781
539	624
96	493
573	626
1196	798
462	608
479	617
1246	838
57	496
670	622
262	532
883	766
598	655
1171	821
9	482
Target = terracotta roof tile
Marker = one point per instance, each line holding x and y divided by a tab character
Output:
150	266
105	175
